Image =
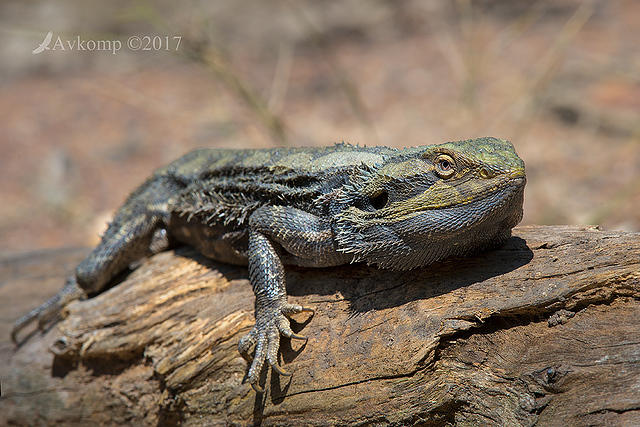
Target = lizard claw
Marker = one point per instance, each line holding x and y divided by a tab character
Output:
279	370
270	325
299	337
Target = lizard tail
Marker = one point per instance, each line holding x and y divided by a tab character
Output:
49	310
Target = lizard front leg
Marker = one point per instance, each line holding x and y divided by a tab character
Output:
304	236
266	273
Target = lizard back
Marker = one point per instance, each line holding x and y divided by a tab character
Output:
225	186
220	189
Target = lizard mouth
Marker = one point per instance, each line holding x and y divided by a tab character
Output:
502	205
501	192
510	189
517	177
488	199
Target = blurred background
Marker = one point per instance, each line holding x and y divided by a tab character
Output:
82	128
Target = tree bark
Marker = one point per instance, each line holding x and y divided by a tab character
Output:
544	330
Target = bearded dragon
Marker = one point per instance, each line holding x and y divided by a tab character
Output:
313	207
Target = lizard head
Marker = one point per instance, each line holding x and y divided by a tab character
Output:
430	202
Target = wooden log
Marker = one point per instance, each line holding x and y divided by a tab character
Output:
543	330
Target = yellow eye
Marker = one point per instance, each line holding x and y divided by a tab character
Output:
445	166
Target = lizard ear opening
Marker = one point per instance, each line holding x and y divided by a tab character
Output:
379	200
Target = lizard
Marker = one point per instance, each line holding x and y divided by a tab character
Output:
311	207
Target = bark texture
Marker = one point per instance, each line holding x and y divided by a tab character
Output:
544	330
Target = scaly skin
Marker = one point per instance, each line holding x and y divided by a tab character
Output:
314	207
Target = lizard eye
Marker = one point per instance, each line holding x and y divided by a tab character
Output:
445	166
379	200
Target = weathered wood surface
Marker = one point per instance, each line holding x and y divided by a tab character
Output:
545	329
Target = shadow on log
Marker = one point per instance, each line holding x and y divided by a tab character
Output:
544	330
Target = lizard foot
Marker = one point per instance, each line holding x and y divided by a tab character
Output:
270	324
50	310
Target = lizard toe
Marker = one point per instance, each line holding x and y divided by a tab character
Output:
246	342
284	327
308	309
289	309
272	352
253	375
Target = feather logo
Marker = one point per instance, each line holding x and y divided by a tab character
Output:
44	45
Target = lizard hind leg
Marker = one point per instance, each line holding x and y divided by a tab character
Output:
136	231
131	241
